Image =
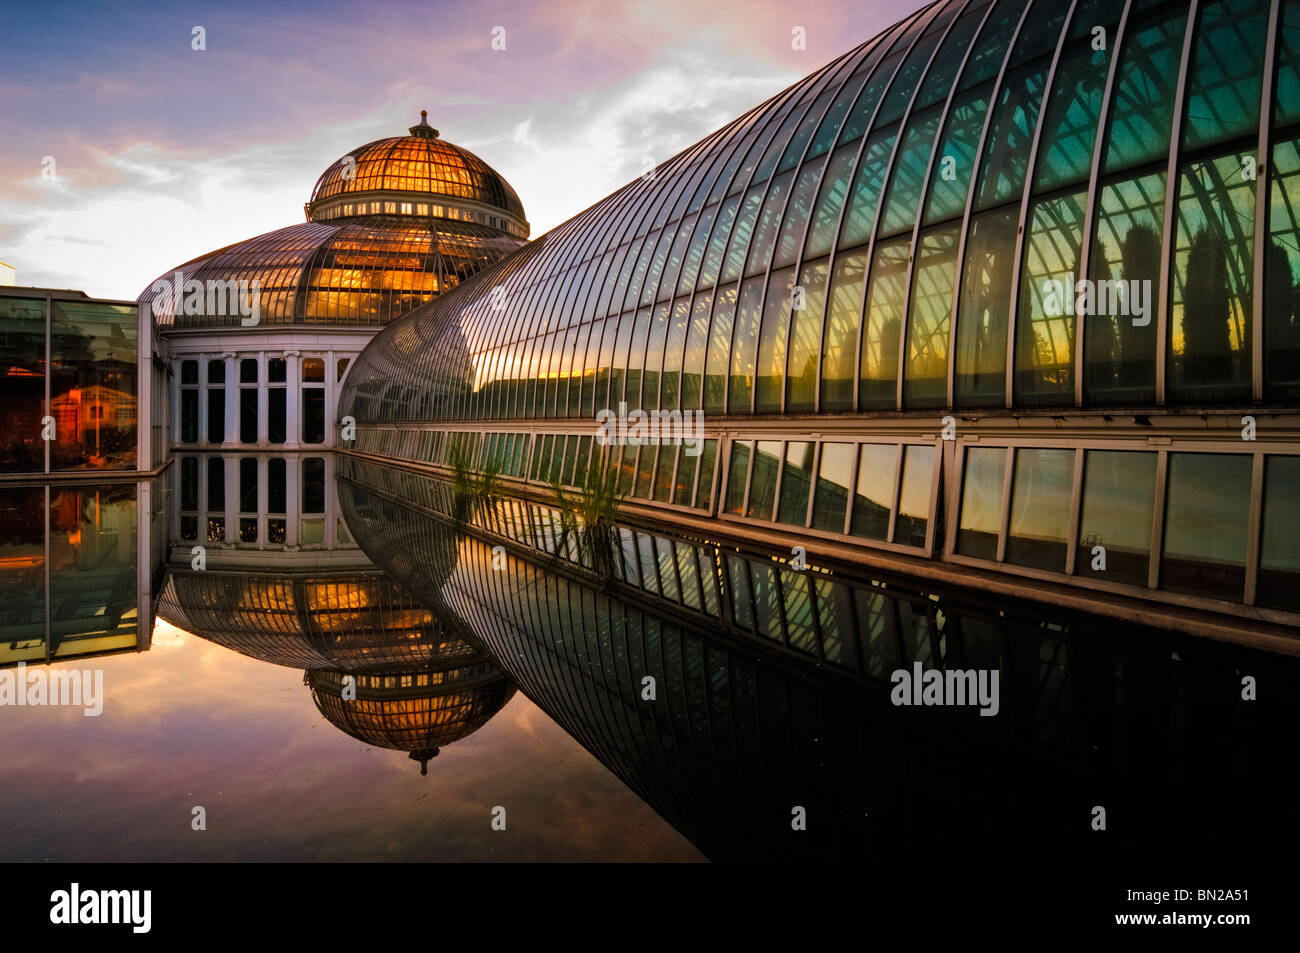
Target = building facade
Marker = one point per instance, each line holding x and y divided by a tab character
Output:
1007	293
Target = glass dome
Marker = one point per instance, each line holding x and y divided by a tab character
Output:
398	176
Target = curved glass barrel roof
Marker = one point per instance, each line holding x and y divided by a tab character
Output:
905	229
391	226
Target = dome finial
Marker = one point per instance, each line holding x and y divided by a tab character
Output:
422	128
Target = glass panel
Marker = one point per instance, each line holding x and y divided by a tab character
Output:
94	598
830	201
991	48
216	415
22	393
984	310
884	310
769	381
1279	555
248	415
796	482
93	385
276	486
313	369
715	375
664	472
900	92
1070	123
1118	498
834	477
1040	508
1045	327
737	474
762	485
925	377
1142	108
1282	299
743	346
914	498
189	415
943	71
1287	91
216	484
248	370
950	179
247	485
1006	154
873	499
861	214
313	415
1223	84
276	370
697	339
1209	340
1120	336
684	485
981	502
1205	524
844	315
704	493
908	178
806	339
275	427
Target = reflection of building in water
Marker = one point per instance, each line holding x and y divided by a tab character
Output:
390	226
80	569
772	690
289	586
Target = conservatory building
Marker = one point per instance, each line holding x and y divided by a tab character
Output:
1006	295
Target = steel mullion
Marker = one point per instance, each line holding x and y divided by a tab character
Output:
1255	521
1158	518
1076	515
1004	510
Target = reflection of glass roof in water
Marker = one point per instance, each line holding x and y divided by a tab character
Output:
354	622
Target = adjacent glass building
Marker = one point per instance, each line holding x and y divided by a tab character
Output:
999	287
77	388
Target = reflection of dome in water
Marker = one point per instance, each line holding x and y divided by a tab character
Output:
355	622
417	711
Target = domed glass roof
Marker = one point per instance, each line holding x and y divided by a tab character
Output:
391	225
422	165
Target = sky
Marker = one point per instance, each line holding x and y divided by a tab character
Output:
126	151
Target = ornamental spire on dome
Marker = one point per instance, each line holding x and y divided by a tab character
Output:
422	128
